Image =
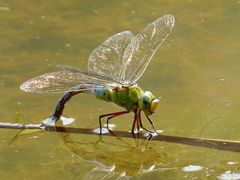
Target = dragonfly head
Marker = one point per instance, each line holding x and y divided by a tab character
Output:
148	103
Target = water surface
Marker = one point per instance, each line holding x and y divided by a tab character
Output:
196	72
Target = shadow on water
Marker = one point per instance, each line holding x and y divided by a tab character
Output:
133	158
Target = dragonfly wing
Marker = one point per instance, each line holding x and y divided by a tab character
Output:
142	48
73	69
62	81
106	60
68	68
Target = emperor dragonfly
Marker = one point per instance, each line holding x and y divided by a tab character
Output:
113	70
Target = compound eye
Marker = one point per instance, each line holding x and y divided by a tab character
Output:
145	100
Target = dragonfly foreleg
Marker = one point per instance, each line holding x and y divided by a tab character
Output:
112	115
140	120
61	103
152	124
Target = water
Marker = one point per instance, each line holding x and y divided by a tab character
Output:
196	72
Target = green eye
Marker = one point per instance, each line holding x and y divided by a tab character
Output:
146	98
145	101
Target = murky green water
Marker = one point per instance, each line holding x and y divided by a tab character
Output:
196	72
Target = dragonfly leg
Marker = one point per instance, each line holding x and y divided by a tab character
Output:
115	115
140	120
152	124
137	121
111	116
60	105
134	121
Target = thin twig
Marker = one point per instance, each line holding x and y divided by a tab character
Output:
203	142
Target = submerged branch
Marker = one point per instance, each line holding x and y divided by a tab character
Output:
204	142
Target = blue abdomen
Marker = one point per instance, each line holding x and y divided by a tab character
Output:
103	93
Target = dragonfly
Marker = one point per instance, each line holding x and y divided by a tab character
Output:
114	68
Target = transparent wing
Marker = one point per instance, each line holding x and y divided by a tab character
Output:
142	48
75	70
106	60
62	81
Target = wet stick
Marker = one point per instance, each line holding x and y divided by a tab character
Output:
220	144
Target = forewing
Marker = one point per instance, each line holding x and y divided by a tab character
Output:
142	48
106	60
62	81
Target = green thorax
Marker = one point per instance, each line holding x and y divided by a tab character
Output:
127	97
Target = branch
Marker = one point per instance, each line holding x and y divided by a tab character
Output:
203	142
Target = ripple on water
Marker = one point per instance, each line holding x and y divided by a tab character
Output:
97	131
110	126
154	133
65	121
229	175
192	168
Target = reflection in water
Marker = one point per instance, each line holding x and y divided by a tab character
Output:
117	158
